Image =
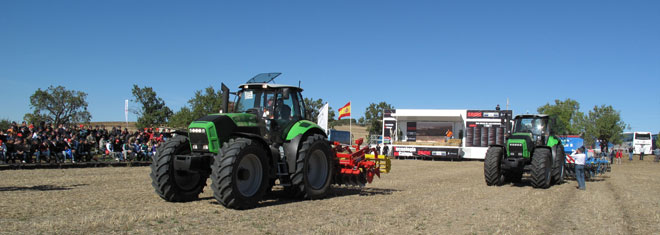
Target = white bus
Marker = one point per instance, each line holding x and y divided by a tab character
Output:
640	141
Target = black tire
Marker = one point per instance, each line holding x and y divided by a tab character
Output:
541	168
558	166
314	168
493	166
239	174
171	185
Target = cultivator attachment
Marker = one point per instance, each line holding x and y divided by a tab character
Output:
592	166
360	166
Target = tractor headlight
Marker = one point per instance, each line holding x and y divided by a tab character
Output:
197	130
205	147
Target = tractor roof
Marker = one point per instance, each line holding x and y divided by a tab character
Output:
267	85
262	81
531	116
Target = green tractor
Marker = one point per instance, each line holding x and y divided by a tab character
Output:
532	147
264	139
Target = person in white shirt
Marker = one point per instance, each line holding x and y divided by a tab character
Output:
580	158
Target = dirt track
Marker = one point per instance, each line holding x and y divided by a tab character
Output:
416	197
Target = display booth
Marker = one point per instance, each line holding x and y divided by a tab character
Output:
444	133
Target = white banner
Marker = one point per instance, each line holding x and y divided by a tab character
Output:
322	118
126	110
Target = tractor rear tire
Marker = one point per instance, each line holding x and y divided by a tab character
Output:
541	168
239	174
313	173
493	166
558	167
172	185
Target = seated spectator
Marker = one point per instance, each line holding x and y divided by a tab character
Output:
3	152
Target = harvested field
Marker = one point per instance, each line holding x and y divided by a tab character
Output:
416	197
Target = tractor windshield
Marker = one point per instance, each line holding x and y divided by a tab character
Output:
257	100
536	126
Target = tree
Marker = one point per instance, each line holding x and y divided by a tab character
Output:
604	124
566	114
657	140
312	107
4	124
153	111
373	117
182	118
57	105
203	103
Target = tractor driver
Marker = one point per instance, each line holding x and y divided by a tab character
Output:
283	110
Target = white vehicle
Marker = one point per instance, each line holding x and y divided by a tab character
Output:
640	141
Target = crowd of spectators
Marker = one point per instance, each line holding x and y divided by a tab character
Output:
29	143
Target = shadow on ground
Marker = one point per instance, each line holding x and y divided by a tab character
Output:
40	188
280	197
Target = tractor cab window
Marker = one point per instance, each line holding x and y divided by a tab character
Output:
536	126
260	102
287	108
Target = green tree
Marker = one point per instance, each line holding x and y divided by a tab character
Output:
604	124
182	118
657	140
566	114
373	117
4	124
312	107
57	105
153	111
203	103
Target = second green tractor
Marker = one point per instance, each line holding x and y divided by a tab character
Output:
531	147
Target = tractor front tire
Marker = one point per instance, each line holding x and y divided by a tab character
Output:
239	174
559	165
172	185
313	174
541	168
493	166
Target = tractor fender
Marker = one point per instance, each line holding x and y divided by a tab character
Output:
291	146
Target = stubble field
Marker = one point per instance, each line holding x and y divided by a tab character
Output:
419	197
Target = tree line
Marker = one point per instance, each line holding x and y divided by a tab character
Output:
57	105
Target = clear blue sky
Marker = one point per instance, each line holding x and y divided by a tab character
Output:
412	54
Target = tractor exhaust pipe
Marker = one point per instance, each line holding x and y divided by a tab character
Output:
225	98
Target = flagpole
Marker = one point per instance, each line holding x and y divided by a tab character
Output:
350	125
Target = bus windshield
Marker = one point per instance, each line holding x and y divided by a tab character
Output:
642	136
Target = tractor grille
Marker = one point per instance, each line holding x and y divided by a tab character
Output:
198	141
516	150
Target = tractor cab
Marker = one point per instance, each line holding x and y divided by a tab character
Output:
276	107
535	126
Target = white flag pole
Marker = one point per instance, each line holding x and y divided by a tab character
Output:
126	112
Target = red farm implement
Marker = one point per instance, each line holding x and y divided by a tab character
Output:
358	166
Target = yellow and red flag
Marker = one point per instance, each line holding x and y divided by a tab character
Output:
345	111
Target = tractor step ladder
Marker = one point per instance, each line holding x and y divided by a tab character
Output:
283	173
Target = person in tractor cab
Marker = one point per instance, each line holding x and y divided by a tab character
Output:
283	110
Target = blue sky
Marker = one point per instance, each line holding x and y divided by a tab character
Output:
412	54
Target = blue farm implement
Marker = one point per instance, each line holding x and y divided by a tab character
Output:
592	167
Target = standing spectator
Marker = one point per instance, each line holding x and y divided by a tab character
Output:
619	155
386	150
630	151
641	155
611	155
377	149
579	168
657	154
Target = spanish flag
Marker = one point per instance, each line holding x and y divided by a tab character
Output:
345	111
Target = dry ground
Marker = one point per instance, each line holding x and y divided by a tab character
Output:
418	197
